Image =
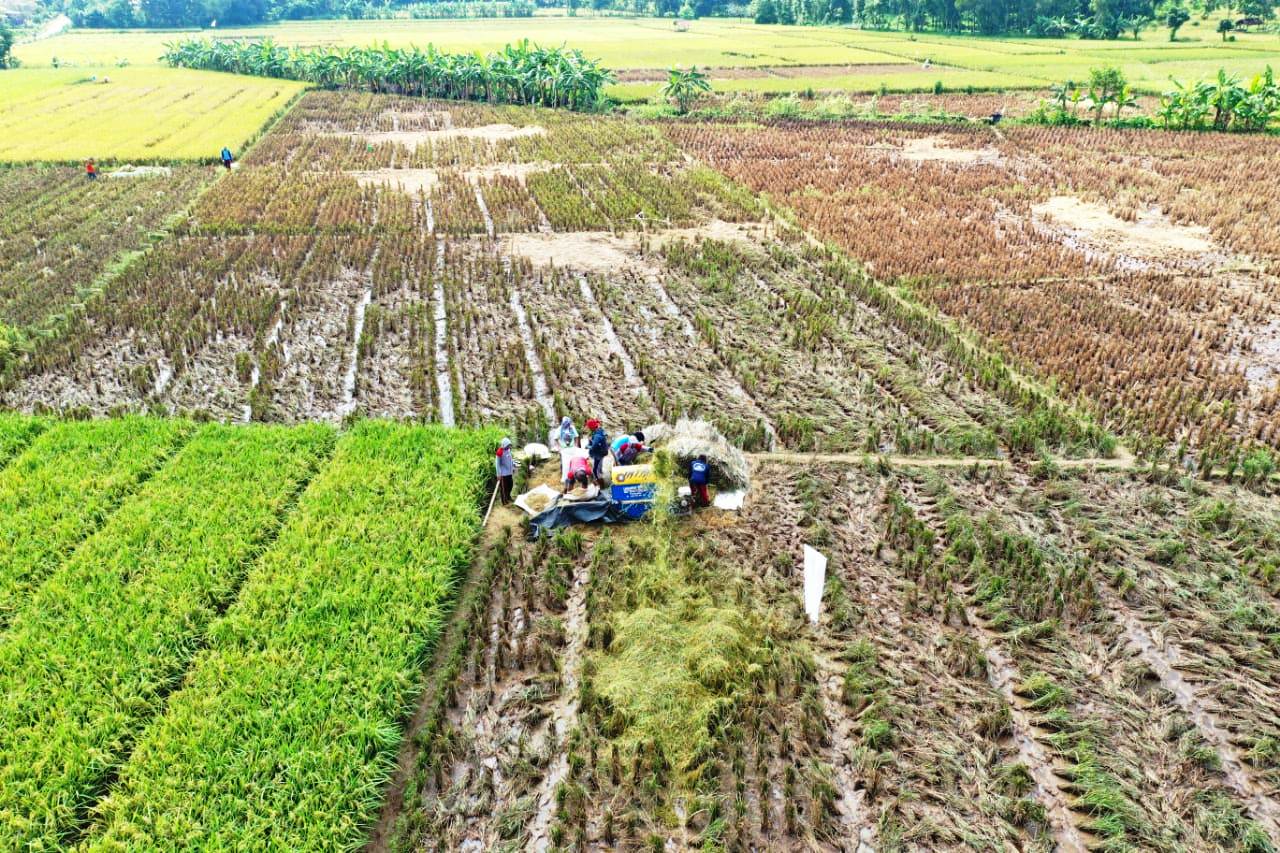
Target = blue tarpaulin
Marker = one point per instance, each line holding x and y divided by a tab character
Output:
564	513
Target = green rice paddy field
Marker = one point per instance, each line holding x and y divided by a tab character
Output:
258	588
838	58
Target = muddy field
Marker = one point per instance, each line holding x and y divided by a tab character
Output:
1135	268
475	265
999	664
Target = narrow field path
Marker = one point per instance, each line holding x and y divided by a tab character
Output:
1003	676
564	712
353	363
440	324
1122	461
855	818
1163	656
541	392
484	211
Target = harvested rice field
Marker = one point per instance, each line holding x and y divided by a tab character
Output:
1017	385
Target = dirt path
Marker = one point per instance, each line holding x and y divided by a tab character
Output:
440	317
1123	460
541	392
1002	676
565	710
854	815
1162	656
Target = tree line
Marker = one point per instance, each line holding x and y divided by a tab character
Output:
1090	19
518	74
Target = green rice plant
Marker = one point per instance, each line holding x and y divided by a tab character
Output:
16	432
1042	692
286	728
162	567
64	486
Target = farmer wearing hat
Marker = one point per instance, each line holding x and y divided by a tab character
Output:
505	465
597	448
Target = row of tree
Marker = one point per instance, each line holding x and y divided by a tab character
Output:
518	74
1093	19
6	45
1223	104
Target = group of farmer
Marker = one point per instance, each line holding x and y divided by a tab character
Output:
584	474
91	168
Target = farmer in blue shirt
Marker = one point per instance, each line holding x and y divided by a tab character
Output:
597	448
699	473
226	157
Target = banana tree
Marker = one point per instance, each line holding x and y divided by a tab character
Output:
685	87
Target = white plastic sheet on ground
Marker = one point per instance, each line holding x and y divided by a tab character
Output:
731	501
815	578
536	500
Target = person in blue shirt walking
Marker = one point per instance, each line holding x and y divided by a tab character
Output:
699	475
597	449
226	157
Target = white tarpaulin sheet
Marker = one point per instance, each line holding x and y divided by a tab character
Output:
536	500
815	578
731	501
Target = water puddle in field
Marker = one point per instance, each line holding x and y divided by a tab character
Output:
935	149
164	375
629	372
1151	236
255	376
853	810
1002	676
349	380
1161	657
565	710
604	251
444	381
541	392
484	211
410	181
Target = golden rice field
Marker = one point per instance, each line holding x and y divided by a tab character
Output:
132	114
778	58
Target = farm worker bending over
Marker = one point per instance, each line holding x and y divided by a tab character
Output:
577	465
226	157
698	474
626	448
568	435
505	464
90	170
583	489
597	448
